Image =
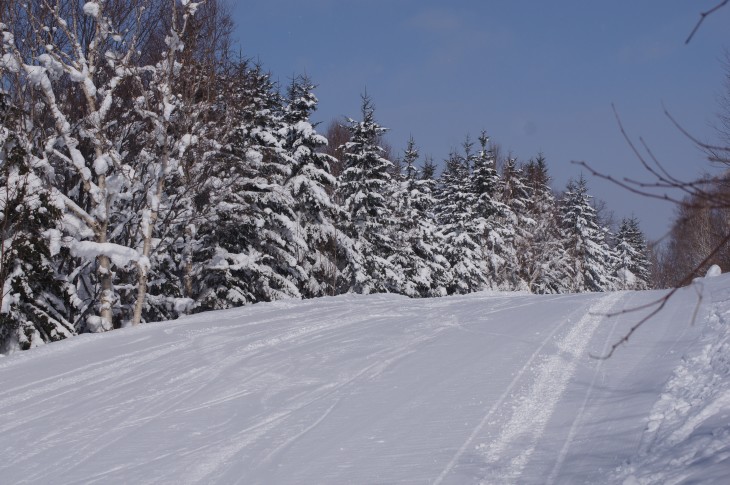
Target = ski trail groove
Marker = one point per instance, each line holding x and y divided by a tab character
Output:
533	410
574	426
497	405
306	430
211	466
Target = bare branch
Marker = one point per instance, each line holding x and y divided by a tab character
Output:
703	16
660	303
694	140
663	180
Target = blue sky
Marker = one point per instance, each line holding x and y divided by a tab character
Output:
538	76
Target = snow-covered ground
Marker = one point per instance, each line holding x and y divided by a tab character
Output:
490	388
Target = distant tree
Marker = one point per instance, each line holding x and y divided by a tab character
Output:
363	187
585	241
310	185
697	238
460	227
544	263
429	171
248	248
632	270
419	246
493	216
515	195
337	135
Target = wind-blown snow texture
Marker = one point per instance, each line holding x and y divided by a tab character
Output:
482	388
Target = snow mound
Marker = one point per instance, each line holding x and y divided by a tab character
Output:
713	271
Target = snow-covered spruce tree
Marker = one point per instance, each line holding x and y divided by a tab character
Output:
493	218
544	263
310	185
34	305
362	187
515	194
249	247
418	243
632	270
461	228
585	241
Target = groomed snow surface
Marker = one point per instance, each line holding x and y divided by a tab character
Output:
484	388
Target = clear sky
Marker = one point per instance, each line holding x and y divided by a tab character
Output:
538	76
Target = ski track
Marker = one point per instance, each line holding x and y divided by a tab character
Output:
131	367
498	404
533	409
215	463
320	329
562	455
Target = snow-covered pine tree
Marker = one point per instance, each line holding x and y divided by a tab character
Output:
585	241
544	264
418	242
632	270
34	303
493	217
428	173
514	194
310	185
248	248
460	228
362	187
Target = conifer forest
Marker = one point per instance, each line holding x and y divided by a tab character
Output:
148	171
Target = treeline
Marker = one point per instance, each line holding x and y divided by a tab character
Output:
147	173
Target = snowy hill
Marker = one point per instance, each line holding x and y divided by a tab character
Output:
491	388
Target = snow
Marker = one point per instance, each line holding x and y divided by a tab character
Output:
185	142
54	241
91	9
119	255
482	388
101	165
713	271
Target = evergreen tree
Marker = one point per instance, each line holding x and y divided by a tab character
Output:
461	228
493	217
515	196
34	304
419	245
363	187
310	185
632	270
585	241
249	246
544	263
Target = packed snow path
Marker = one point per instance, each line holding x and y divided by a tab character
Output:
491	388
